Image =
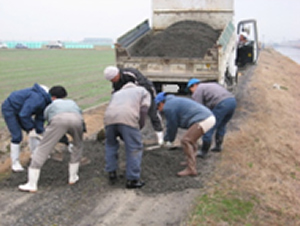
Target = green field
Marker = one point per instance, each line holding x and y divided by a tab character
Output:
80	71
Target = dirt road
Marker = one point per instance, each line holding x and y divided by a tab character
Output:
165	200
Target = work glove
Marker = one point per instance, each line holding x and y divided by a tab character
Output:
34	140
32	133
70	147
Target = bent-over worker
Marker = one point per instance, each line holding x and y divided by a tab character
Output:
23	110
221	102
124	117
120	77
63	116
185	113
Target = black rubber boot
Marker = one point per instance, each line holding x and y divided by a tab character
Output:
112	176
131	184
218	147
204	149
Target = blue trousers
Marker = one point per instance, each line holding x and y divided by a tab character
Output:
132	138
223	113
12	122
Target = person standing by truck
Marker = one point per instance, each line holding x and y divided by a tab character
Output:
185	113
124	117
23	110
120	77
221	102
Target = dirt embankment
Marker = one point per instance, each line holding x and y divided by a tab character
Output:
260	161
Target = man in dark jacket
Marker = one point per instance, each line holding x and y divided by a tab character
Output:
221	102
18	111
120	77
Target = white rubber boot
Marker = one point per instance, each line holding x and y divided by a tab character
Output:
33	177
14	155
73	172
160	137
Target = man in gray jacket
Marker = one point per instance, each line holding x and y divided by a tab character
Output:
124	117
120	76
63	116
221	102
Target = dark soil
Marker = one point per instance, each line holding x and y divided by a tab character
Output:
182	39
159	168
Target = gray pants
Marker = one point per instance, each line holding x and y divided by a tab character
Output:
70	123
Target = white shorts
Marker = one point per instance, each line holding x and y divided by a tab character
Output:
208	123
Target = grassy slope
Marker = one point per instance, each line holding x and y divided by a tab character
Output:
258	179
80	71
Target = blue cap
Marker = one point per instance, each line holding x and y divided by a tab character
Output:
192	82
160	97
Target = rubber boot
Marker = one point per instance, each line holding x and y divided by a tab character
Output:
33	177
204	149
190	170
73	173
160	137
14	155
218	147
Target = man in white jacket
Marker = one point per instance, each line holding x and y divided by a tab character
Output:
63	116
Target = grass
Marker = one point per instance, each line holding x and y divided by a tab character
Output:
261	158
80	71
220	207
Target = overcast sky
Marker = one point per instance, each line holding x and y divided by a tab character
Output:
33	20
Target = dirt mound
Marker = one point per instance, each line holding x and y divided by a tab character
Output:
182	39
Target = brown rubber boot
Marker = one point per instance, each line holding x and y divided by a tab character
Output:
190	170
189	144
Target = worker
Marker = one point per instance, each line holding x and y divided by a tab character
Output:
125	117
63	116
243	39
23	110
185	113
119	77
221	102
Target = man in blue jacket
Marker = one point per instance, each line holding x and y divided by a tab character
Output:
186	114
23	110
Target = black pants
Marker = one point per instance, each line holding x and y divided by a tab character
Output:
155	117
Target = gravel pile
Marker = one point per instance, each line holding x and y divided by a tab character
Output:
182	39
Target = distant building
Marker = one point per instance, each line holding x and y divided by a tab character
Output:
98	41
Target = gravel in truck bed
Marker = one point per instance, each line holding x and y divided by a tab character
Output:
182	39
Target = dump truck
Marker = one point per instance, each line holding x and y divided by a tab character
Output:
198	39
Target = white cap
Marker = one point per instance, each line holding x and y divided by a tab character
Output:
110	72
45	88
243	33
